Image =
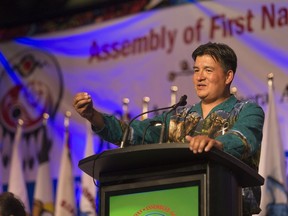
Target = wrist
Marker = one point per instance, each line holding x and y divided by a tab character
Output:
96	119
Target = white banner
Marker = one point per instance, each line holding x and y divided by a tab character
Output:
134	57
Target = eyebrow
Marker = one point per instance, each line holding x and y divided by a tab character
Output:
205	67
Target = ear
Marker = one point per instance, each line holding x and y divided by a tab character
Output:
229	77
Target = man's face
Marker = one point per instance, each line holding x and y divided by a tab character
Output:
210	81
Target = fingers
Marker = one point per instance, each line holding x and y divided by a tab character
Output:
196	144
82	103
201	143
209	145
81	99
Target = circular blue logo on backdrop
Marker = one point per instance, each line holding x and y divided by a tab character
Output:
31	85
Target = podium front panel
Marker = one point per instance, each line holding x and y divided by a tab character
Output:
183	195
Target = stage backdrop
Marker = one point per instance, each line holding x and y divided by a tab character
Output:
133	57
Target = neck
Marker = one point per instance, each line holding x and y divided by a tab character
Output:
207	106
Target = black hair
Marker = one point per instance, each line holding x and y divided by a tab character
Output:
222	53
11	205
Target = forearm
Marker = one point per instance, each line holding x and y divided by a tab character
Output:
111	128
96	119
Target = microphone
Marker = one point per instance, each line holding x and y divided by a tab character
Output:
182	102
126	132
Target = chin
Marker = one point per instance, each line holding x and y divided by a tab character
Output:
201	96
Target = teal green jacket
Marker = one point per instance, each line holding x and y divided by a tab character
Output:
237	124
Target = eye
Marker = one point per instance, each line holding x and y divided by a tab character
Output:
209	70
195	70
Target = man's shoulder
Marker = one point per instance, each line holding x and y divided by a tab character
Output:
249	105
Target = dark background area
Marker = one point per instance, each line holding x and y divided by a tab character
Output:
20	12
20	18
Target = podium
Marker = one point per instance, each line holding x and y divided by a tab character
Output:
169	179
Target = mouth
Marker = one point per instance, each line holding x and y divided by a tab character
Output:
201	86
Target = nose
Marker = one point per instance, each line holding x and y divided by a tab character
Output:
200	75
